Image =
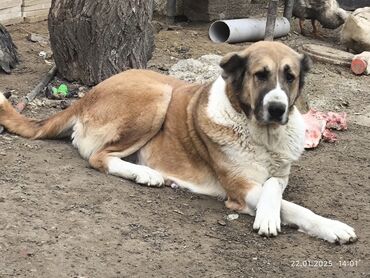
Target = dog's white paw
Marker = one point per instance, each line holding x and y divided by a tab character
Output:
267	220
332	231
148	176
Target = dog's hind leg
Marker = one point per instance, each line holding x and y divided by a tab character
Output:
112	164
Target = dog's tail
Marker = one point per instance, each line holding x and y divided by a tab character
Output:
57	125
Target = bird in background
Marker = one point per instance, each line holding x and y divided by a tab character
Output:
326	12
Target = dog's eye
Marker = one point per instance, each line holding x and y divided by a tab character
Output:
289	77
262	75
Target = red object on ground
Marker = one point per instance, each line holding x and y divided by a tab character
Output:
329	136
358	66
336	121
318	125
314	129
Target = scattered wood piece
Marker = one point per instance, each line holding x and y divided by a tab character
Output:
327	54
31	95
179	212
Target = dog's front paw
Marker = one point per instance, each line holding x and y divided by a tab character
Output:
332	231
148	176
267	221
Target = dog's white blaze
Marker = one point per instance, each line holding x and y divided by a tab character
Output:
219	108
138	173
275	95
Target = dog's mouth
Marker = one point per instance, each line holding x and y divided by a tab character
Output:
265	117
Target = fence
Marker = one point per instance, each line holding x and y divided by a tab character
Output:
15	11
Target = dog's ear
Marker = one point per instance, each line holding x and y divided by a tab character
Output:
234	66
230	63
306	64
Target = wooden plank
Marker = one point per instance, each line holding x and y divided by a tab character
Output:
36	7
10	11
11	21
27	3
4	4
38	18
11	15
36	13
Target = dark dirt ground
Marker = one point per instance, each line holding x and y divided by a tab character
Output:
59	218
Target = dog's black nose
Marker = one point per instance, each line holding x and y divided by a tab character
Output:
276	110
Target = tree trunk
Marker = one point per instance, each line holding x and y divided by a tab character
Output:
8	51
93	39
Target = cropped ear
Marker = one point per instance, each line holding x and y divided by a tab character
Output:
234	67
306	64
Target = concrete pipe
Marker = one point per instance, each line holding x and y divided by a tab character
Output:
246	29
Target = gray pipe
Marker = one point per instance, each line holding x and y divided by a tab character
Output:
246	29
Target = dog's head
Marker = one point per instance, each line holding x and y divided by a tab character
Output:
265	79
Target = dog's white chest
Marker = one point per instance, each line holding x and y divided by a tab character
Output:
260	153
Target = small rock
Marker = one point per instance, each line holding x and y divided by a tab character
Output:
64	104
33	37
232	216
43	54
221	222
80	94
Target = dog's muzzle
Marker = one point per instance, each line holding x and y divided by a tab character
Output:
275	107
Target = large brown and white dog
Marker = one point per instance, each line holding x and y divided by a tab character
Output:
234	138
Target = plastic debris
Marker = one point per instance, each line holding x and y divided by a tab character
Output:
62	90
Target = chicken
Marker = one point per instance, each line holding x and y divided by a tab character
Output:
8	51
327	12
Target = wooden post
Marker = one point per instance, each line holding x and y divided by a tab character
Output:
271	19
171	12
288	9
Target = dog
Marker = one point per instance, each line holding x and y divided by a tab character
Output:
233	138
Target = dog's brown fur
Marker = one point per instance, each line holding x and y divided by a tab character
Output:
127	111
222	139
